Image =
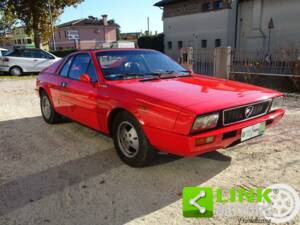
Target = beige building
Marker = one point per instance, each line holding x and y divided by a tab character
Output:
235	23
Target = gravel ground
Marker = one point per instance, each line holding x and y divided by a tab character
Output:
68	174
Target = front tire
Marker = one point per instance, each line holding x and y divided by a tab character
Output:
16	71
48	112
131	142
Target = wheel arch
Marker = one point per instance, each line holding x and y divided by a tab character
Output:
41	90
47	92
112	115
16	66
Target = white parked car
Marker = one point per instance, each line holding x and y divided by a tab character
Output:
3	51
27	60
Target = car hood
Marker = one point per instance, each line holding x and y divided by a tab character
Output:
199	93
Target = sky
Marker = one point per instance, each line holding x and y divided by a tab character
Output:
130	14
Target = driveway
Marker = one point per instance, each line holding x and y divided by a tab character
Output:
69	174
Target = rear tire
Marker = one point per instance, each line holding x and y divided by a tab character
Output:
16	71
47	109
131	142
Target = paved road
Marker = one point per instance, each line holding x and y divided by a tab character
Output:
68	174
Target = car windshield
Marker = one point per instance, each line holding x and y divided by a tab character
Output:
119	65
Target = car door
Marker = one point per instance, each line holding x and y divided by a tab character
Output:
22	58
59	89
41	60
82	95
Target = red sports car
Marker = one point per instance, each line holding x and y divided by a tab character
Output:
147	102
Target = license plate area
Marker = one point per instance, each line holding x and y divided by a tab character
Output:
253	131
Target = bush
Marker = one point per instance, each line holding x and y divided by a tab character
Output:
152	42
63	53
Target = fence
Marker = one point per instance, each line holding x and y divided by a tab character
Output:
203	61
284	62
278	69
81	44
208	61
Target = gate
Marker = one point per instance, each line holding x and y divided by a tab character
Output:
203	61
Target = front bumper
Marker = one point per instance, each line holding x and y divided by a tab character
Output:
183	145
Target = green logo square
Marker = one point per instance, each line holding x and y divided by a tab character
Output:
198	202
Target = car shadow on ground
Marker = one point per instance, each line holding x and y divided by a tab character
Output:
103	189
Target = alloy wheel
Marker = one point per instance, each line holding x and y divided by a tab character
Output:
46	107
128	139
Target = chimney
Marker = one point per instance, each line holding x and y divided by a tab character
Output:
105	21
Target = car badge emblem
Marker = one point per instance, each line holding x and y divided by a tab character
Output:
248	111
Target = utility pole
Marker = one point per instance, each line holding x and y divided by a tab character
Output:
52	30
148	24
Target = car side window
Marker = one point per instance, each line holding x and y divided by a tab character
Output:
48	56
3	52
26	53
92	72
14	53
38	54
65	70
79	66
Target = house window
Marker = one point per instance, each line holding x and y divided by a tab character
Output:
207	6
204	43
59	35
218	43
218	4
170	45
29	41
66	34
180	44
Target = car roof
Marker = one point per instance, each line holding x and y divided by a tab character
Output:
28	49
118	49
109	50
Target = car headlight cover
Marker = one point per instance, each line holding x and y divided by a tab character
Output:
205	122
277	103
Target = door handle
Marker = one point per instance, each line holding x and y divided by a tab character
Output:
64	84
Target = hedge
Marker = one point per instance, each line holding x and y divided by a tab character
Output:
63	53
155	42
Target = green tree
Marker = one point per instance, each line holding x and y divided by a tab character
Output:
5	25
35	15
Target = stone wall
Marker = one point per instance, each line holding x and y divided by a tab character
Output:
282	83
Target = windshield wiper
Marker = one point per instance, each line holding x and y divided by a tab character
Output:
184	71
162	74
188	73
166	75
126	76
170	74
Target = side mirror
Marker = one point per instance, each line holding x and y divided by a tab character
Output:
85	78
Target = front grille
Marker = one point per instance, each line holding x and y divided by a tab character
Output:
243	113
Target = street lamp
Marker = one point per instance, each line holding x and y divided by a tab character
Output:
52	30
